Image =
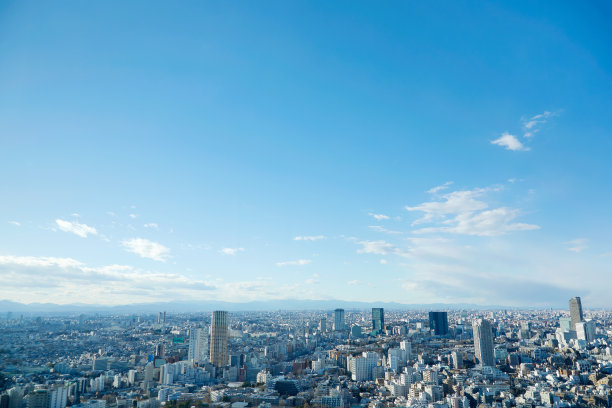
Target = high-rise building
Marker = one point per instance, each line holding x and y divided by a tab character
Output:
438	322
58	397
575	306
219	334
483	342
39	398
198	345
339	320
378	319
585	331
323	325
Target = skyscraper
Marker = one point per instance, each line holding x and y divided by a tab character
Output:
438	322
339	320
575	306
219	334
198	345
378	319
483	342
323	325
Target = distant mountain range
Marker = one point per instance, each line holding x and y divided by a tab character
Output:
207	306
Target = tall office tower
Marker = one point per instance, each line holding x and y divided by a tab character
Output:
585	331
339	320
59	397
198	345
15	397
323	325
159	350
575	306
378	319
483	342
219	334
159	317
438	322
39	398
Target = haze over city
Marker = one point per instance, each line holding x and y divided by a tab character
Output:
417	153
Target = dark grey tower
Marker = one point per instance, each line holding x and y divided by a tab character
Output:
575	306
378	319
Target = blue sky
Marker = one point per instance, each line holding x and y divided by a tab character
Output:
416	152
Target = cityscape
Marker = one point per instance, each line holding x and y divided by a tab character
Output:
306	204
338	358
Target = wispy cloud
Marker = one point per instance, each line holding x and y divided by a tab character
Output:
384	230
151	225
466	212
64	280
455	202
379	247
486	223
230	251
147	249
15	223
439	188
81	230
299	262
309	238
577	245
509	142
379	217
132	216
532	125
353	282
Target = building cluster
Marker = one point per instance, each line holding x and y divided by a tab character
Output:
342	358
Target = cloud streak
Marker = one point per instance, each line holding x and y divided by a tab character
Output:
147	249
299	262
466	212
309	238
509	142
231	251
82	230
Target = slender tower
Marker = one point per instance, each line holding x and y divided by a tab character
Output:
378	320
219	334
483	342
339	320
575	306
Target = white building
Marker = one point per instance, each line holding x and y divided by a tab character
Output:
198	345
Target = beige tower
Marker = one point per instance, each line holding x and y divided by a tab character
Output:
219	334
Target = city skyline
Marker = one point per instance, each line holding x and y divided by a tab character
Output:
309	151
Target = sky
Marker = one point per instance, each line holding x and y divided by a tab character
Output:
416	152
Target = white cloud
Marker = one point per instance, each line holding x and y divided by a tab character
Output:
509	142
378	228
379	247
66	280
81	230
151	225
353	282
455	202
16	223
466	212
379	217
577	245
486	223
436	189
531	125
376	247
230	251
383	261
133	216
146	249
299	262
309	238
